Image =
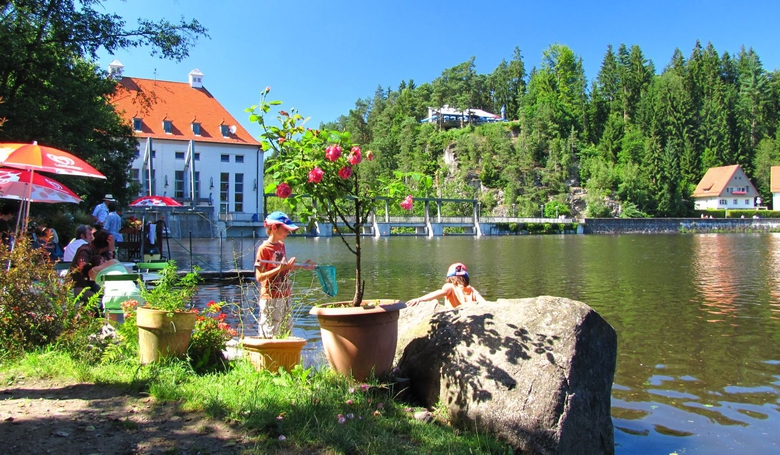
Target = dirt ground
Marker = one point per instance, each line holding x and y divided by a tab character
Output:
39	417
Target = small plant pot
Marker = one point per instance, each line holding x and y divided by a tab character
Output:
360	341
162	334
272	353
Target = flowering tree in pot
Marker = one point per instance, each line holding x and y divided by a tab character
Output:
318	175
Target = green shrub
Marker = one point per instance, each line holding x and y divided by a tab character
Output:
36	304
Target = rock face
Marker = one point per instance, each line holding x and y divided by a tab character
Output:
535	372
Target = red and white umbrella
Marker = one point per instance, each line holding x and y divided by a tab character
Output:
39	158
28	186
156	201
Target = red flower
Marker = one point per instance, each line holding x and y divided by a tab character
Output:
406	204
283	190
369	155
281	140
345	172
315	175
354	156
333	152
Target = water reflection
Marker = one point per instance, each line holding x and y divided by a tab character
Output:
696	315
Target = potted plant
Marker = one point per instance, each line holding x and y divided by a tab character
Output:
317	173
208	338
165	322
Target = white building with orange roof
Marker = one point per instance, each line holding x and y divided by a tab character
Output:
725	188
190	147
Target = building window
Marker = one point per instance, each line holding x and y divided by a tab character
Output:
135	177
747	201
238	196
138	124
197	186
723	202
224	190
178	184
196	129
239	158
197	156
735	202
225	158
179	155
167	126
225	130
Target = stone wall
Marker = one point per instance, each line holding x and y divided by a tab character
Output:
677	225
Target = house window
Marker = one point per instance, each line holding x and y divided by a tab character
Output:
179	155
167	126
735	202
196	156
196	129
135	177
225	158
225	130
238	196
723	202
138	124
239	158
747	201
224	190
178	184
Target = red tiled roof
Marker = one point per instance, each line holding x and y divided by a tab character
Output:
714	181
774	181
154	101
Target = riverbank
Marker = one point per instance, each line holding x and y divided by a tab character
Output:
678	225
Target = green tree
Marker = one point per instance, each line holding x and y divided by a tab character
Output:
55	95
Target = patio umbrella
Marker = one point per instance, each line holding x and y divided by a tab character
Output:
29	187
153	201
33	157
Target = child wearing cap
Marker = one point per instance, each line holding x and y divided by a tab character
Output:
456	290
272	269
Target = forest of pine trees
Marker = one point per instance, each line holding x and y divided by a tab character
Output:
635	136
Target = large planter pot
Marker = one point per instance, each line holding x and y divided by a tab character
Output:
360	340
163	334
272	353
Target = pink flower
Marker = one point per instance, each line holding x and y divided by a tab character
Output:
267	89
283	190
406	204
354	156
315	175
341	419
333	152
350	401
345	172
369	155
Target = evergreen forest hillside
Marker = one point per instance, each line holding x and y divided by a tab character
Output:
635	140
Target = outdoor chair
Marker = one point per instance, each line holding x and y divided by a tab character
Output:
117	288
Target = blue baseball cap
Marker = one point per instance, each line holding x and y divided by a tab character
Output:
280	218
457	269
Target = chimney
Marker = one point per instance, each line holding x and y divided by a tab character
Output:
115	70
196	78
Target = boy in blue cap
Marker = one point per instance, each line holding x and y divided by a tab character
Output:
272	270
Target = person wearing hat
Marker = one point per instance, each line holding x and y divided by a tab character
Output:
456	290
272	271
101	211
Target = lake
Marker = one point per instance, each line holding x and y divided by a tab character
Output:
697	316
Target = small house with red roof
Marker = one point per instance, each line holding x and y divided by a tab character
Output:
190	147
725	188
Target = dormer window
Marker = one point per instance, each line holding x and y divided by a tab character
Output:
225	130
167	126
138	124
196	128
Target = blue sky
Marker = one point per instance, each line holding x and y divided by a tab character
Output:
320	57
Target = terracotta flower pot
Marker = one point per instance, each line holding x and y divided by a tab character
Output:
360	340
272	353
163	334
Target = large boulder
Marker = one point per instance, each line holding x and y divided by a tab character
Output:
535	372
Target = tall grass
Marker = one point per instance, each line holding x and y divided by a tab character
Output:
301	410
